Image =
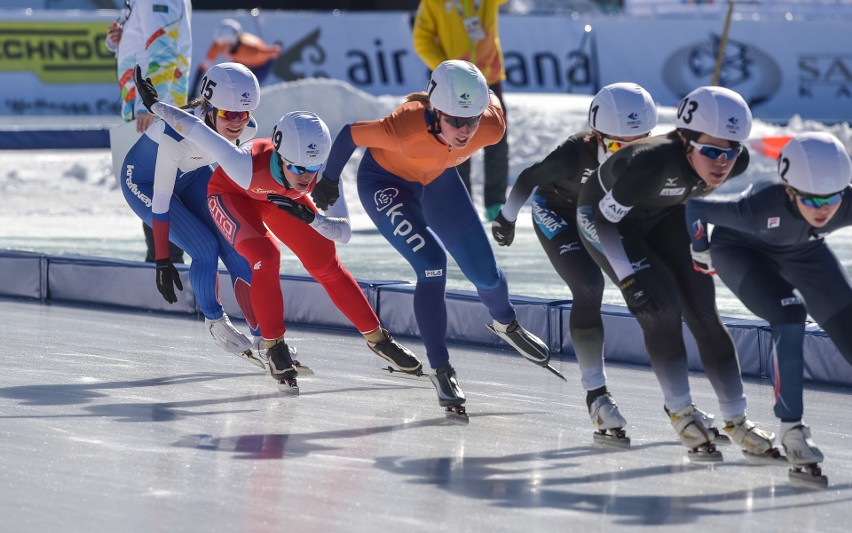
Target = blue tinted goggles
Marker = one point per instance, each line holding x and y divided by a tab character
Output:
296	169
715	152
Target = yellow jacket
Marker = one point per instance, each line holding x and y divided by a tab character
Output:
439	34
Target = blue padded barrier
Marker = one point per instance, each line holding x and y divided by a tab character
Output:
466	316
130	284
113	282
23	274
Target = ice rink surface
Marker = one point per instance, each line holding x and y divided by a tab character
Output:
121	421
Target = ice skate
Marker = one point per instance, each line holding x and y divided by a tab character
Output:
756	444
708	419
531	347
609	422
396	354
230	339
804	457
694	435
450	394
258	348
394	372
281	367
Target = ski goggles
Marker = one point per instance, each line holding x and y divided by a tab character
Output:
815	201
233	115
614	145
459	122
296	169
714	152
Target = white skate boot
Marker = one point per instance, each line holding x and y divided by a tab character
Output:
708	419
804	456
694	435
755	443
450	394
605	416
230	339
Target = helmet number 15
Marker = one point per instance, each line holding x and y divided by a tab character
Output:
207	87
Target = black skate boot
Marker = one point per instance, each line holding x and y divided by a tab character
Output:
531	347
281	367
450	394
396	354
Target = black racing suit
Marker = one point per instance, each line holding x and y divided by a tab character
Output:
631	216
772	259
557	181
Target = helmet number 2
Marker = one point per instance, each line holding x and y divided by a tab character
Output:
207	87
685	110
783	166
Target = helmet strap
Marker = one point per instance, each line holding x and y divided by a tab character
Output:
433	122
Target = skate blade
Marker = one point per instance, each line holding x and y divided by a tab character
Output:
302	369
395	372
289	386
773	457
705	454
249	356
608	439
457	414
556	372
807	476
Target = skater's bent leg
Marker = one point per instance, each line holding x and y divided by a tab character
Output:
788	366
266	298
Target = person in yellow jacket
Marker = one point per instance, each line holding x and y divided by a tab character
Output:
467	29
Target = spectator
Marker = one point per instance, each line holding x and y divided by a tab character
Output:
236	45
155	35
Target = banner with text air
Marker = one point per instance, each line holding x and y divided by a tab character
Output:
58	63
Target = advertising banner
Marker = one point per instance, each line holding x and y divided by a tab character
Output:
58	64
780	68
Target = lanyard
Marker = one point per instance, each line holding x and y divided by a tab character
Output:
460	9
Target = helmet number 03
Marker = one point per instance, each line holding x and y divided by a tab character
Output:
207	87
686	109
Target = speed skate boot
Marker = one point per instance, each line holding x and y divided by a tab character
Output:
258	346
396	354
281	366
694	435
608	421
708	419
450	394
804	457
527	344
755	443
230	339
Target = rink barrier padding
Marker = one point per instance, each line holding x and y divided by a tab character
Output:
130	285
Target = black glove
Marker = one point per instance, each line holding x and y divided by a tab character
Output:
146	89
302	212
168	279
637	299
503	230
325	193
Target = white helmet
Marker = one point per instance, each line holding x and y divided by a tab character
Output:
228	31
816	163
230	86
716	111
623	110
301	138
457	88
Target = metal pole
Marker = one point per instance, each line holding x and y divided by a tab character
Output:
720	55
